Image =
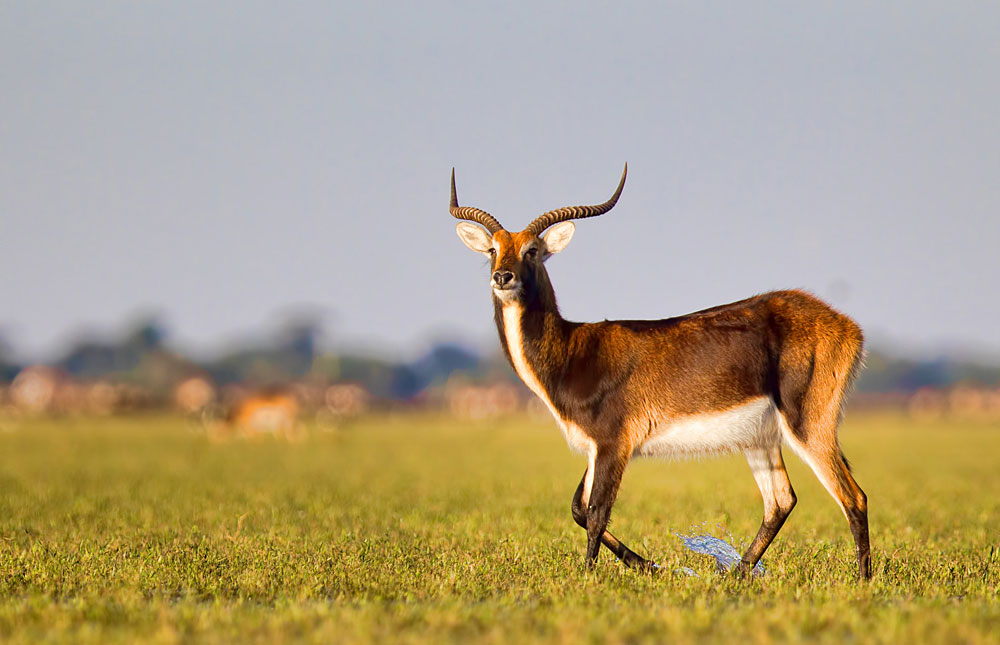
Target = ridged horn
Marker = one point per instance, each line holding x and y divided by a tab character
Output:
470	213
546	220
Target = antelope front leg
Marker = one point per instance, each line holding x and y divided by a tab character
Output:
607	476
631	559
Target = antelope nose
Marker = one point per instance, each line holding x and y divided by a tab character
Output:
500	278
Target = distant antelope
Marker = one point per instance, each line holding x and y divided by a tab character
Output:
263	413
738	377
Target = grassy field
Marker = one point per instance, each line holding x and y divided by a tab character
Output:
421	528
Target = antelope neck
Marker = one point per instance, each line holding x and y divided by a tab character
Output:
533	337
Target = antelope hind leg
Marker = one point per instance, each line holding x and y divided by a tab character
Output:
779	499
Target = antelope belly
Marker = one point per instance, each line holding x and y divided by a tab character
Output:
732	430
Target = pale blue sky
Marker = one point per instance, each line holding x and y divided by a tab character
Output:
224	161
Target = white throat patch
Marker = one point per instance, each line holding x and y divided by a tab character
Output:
507	297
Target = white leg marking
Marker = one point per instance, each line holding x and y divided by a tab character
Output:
588	479
762	466
769	472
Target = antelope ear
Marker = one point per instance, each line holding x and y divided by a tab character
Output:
475	237
558	236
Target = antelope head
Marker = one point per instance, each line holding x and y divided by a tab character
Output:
517	272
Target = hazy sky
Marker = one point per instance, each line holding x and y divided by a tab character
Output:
221	162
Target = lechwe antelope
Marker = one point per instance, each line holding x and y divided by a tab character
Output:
739	377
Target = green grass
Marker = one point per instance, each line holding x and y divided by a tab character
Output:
422	528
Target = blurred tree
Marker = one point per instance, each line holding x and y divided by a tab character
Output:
8	367
96	359
886	373
296	348
437	365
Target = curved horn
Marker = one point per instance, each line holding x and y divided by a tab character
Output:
546	220
470	213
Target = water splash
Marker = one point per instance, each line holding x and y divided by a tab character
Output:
726	556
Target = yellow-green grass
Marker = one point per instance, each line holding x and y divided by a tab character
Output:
421	528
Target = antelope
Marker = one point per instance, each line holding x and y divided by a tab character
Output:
745	376
270	412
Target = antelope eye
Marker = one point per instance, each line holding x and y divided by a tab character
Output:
493	252
531	253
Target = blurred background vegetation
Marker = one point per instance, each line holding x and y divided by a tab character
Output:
142	369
